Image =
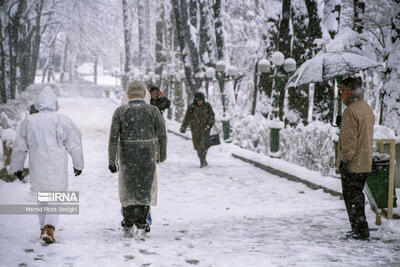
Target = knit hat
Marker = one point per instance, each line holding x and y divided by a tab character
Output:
199	96
135	88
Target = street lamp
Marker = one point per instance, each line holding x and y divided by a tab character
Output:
231	71
281	67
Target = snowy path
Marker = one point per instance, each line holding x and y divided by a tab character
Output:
229	214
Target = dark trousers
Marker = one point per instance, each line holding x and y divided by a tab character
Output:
354	199
135	215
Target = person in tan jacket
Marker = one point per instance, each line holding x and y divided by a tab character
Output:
355	153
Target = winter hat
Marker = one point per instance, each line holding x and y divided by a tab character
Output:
153	87
135	89
198	96
354	84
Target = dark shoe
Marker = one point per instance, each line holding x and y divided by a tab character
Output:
128	232
203	163
349	234
358	236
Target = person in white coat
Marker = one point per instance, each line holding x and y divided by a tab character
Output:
48	137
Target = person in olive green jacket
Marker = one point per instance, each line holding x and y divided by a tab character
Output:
355	153
200	116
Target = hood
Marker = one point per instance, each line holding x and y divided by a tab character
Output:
47	100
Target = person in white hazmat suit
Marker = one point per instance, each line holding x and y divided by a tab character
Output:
48	137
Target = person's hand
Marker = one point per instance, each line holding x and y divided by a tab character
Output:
77	172
182	130
161	94
343	168
113	168
20	175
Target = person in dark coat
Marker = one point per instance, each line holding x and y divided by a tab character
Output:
355	153
158	99
200	117
137	133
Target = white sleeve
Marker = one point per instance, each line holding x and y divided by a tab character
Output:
73	142
20	148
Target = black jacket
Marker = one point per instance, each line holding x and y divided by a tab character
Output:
161	102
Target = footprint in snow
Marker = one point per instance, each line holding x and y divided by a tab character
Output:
129	257
192	261
145	252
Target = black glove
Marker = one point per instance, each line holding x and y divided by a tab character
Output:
338	120
113	168
182	130
77	172
343	167
20	175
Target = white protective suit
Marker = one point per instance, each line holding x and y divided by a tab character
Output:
49	137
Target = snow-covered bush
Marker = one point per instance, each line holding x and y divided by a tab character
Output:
12	113
8	136
251	132
310	146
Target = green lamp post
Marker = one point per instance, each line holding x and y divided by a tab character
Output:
281	67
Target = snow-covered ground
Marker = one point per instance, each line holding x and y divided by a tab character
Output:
229	214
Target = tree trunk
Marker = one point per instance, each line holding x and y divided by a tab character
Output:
219	30
254	105
141	31
178	101
391	117
332	10
359	13
14	42
160	25
36	42
65	60
204	36
127	42
189	53
284	31
346	15
3	91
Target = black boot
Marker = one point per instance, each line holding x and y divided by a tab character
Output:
202	156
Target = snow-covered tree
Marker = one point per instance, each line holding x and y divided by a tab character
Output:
391	110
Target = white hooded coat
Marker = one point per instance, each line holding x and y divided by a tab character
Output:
49	137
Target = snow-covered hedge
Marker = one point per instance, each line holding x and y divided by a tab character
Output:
12	113
251	132
310	146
